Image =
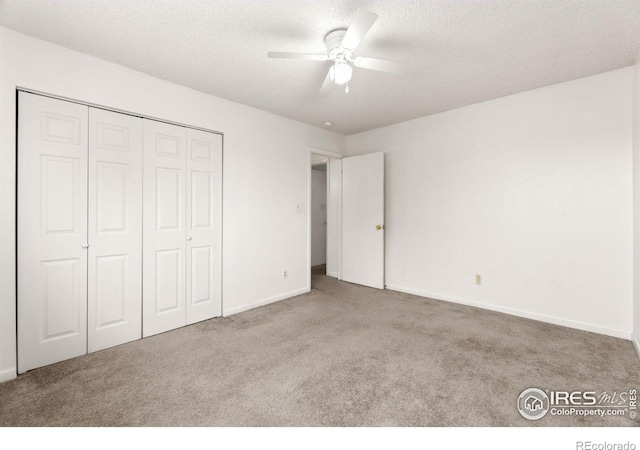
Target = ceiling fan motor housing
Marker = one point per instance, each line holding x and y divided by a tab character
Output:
335	50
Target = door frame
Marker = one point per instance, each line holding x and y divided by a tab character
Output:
332	204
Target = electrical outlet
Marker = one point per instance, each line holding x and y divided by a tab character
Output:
479	279
284	274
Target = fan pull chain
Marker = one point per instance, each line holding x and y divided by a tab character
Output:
346	90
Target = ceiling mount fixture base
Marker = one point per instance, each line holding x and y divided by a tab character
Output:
334	37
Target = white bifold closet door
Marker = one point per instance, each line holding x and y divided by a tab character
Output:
165	170
79	230
204	225
115	229
92	273
52	230
182	226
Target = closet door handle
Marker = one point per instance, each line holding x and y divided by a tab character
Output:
189	238
84	245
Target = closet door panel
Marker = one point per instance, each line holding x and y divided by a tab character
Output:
52	230
115	229
204	225
164	207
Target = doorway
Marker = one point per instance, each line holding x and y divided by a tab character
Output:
351	222
318	209
327	183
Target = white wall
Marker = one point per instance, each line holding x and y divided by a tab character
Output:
266	170
636	207
318	217
532	191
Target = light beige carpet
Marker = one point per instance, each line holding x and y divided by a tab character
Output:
343	355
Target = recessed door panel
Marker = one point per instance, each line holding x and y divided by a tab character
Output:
201	279
115	229
202	199
112	137
59	127
168	198
204	231
111	196
202	151
59	199
168	280
59	298
111	291
164	271
52	229
169	145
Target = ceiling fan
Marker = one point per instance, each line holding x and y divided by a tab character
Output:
341	44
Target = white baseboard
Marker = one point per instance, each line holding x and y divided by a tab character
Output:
636	343
517	312
6	375
332	274
265	301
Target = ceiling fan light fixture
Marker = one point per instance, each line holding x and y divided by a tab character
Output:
341	44
340	73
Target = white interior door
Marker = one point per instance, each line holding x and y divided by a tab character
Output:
164	223
52	231
363	220
204	225
115	229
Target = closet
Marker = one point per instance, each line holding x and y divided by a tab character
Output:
183	207
119	228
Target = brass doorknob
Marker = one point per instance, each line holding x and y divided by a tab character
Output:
378	227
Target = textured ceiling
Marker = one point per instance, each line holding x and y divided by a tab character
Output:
459	52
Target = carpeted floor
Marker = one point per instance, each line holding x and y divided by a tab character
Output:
342	355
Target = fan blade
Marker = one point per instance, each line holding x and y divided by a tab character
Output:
362	23
380	64
326	85
289	55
